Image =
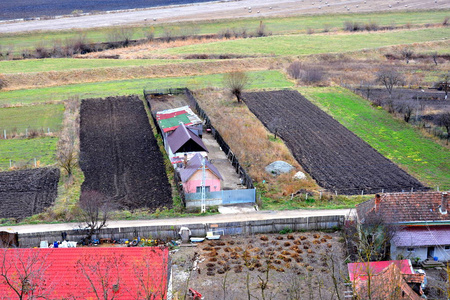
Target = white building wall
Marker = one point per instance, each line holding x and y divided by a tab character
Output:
441	253
403	253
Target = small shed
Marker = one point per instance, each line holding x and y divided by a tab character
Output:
191	176
184	140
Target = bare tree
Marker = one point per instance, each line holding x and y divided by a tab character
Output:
151	283
236	81
369	240
275	125
407	54
389	78
366	87
24	274
68	144
406	110
96	210
295	70
444	121
103	274
435	56
444	83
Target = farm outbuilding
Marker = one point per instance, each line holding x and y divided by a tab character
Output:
191	176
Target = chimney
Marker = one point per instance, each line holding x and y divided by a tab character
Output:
444	203
185	160
377	202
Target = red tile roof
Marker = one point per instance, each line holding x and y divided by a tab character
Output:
406	207
126	273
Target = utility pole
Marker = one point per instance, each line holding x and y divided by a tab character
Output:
203	186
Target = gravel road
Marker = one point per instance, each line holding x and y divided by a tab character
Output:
221	10
234	217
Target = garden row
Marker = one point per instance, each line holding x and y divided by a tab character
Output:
335	157
119	154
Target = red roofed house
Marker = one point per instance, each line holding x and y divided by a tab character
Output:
191	176
85	273
424	218
388	280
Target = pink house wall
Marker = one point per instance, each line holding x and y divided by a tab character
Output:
211	180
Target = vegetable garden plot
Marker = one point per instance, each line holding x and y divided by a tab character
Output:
119	153
335	157
27	192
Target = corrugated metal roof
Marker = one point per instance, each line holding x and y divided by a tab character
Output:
60	273
170	119
184	140
432	236
195	164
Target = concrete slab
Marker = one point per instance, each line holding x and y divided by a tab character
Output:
241	209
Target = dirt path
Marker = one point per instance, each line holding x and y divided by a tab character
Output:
222	10
257	215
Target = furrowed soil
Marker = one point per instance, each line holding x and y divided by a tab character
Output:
335	157
296	266
27	192
119	154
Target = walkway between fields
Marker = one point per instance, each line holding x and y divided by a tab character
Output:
252	216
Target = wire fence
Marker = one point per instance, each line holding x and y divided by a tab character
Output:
6	134
246	179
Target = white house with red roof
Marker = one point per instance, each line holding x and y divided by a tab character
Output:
423	219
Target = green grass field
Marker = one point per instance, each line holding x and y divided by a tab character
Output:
275	25
36	117
403	144
312	44
24	151
58	64
259	80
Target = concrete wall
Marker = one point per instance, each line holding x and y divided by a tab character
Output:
421	252
397	252
198	230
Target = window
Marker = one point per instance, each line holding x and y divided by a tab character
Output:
447	248
199	189
410	249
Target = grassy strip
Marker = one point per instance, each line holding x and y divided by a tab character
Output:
260	80
17	119
275	25
312	44
57	64
403	144
22	152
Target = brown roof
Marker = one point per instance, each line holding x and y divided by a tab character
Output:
406	207
389	284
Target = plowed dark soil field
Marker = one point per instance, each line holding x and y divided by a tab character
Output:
335	157
27	192
119	153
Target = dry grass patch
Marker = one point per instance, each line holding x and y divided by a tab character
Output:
250	141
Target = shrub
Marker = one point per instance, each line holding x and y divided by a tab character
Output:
352	26
262	30
294	69
2	82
